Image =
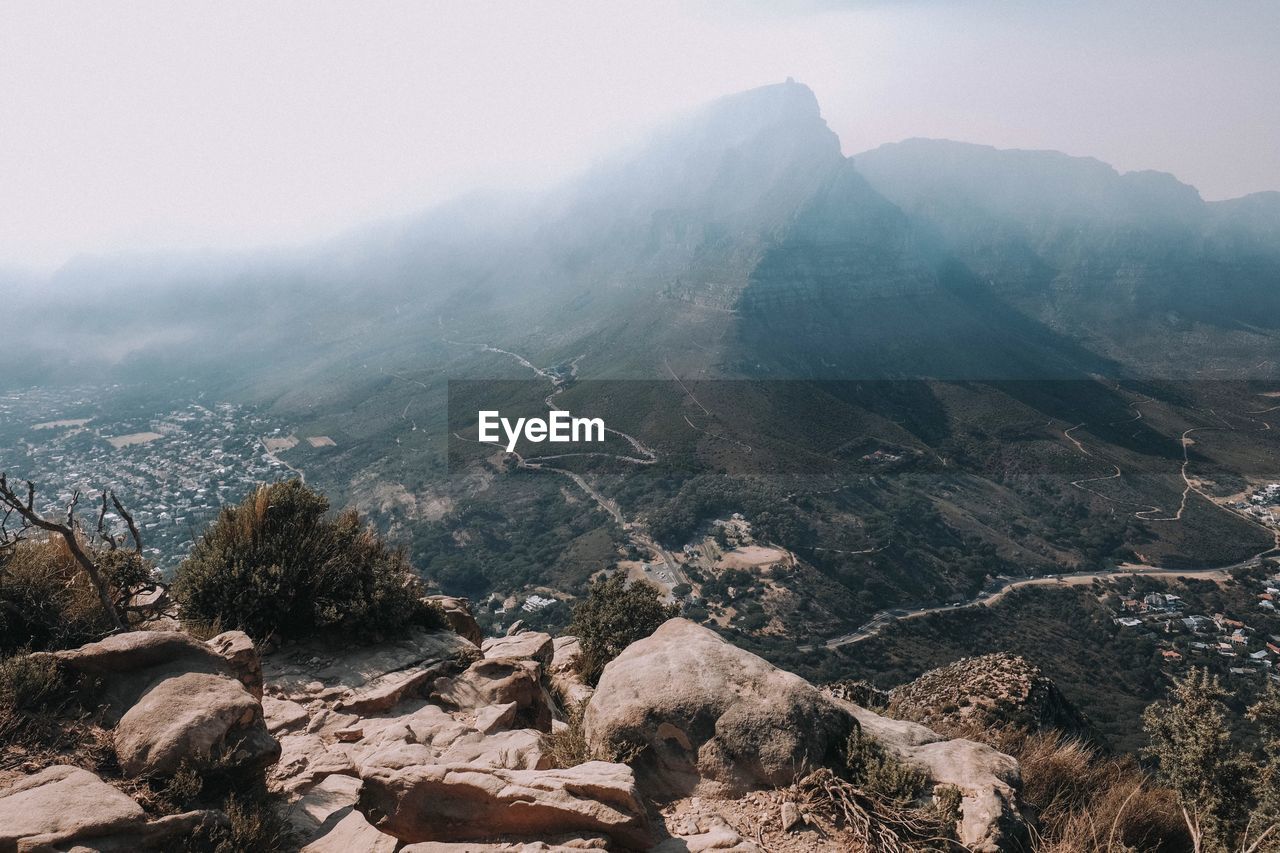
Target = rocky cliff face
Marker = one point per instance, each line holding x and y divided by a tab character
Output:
996	691
431	743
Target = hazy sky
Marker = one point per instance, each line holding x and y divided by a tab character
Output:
142	125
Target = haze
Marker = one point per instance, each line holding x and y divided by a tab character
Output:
156	126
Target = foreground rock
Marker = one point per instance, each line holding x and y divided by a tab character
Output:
711	718
172	699
64	807
466	803
565	682
714	720
457	612
197	718
129	664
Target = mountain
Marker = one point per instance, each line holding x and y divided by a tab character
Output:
952	363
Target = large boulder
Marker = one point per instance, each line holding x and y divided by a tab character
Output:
710	718
457	612
533	645
194	717
459	802
130	664
172	699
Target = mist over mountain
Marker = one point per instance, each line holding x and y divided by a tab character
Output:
743	229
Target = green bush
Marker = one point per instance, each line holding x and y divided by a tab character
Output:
279	564
612	617
878	773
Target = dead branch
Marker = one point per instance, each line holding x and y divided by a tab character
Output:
103	533
128	520
27	512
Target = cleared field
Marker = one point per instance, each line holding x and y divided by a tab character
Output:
277	445
321	441
751	557
122	441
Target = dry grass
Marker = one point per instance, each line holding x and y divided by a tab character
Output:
1086	802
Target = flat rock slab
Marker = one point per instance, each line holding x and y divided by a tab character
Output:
61	804
462	802
290	671
533	645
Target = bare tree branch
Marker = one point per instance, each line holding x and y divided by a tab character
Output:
102	527
26	510
128	519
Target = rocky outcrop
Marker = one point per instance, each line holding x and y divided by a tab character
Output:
713	719
565	682
996	691
171	699
194	717
457	612
64	807
465	802
532	645
368	679
709	717
987	779
129	664
499	681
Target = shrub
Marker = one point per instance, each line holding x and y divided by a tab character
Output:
278	564
46	600
612	617
878	773
32	694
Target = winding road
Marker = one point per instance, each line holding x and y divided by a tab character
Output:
987	598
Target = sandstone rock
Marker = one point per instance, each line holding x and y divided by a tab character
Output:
385	692
565	653
566	684
557	844
236	648
790	816
129	664
62	804
351	734
464	802
533	645
187	717
351	833
496	717
382	674
457	611
282	714
714	718
988	780
517	626
431	736
498	682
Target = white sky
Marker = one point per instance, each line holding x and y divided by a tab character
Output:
172	125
